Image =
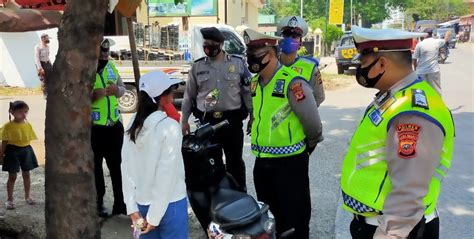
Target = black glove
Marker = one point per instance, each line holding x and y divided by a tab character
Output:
310	150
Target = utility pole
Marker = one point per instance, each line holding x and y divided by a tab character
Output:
301	8
351	14
326	27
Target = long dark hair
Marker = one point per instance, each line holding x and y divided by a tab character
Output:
16	105
146	107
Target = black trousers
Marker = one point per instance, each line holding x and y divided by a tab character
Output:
361	230
107	143
283	184
231	139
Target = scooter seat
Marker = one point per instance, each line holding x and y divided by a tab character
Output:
237	208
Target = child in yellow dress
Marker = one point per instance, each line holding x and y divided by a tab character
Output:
16	150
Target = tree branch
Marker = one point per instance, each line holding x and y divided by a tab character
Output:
23	20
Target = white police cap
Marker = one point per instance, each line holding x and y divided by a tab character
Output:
373	40
255	39
154	83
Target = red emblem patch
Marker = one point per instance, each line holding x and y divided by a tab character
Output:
407	138
297	90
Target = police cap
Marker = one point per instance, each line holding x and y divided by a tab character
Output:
212	33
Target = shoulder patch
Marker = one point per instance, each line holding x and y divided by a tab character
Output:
297	89
407	139
419	99
200	59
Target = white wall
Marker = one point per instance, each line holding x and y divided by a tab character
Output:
17	64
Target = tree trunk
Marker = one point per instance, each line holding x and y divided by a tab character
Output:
70	189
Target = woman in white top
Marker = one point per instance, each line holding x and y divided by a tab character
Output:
152	164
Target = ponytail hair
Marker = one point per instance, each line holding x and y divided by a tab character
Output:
146	107
16	105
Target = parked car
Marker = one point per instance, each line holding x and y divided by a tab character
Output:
345	52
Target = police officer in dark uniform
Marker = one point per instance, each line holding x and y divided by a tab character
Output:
218	90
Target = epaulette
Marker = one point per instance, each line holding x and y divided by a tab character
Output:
200	59
237	56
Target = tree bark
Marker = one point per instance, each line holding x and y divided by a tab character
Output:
23	20
70	189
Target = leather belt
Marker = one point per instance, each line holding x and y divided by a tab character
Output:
375	222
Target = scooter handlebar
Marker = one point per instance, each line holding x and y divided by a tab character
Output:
220	125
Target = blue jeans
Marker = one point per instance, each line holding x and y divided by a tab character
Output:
173	225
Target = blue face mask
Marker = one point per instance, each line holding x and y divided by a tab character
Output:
289	45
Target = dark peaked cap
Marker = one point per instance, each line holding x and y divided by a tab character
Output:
212	33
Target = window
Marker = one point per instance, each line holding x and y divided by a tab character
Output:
232	43
347	41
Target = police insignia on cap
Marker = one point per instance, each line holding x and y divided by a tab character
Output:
246	38
255	67
293	22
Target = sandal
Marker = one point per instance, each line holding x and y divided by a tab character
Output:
9	205
30	201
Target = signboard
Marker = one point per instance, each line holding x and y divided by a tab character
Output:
167	8
336	12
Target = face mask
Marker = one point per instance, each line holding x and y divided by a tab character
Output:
289	45
212	50
46	41
362	76
102	64
255	63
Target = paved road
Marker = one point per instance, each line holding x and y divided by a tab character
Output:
456	204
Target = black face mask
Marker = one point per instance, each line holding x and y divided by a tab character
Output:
101	64
255	63
362	75
212	50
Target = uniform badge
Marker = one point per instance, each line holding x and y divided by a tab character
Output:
407	138
253	87
231	68
95	116
297	69
375	117
279	89
297	90
419	99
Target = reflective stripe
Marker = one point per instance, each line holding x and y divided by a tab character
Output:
278	150
370	144
371	153
369	162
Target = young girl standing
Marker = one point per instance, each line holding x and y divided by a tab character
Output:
152	164
16	151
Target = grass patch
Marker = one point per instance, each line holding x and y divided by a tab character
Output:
9	91
335	81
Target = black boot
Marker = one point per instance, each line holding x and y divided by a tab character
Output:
102	211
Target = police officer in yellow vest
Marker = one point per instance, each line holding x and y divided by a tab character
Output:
285	130
107	129
402	148
293	29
